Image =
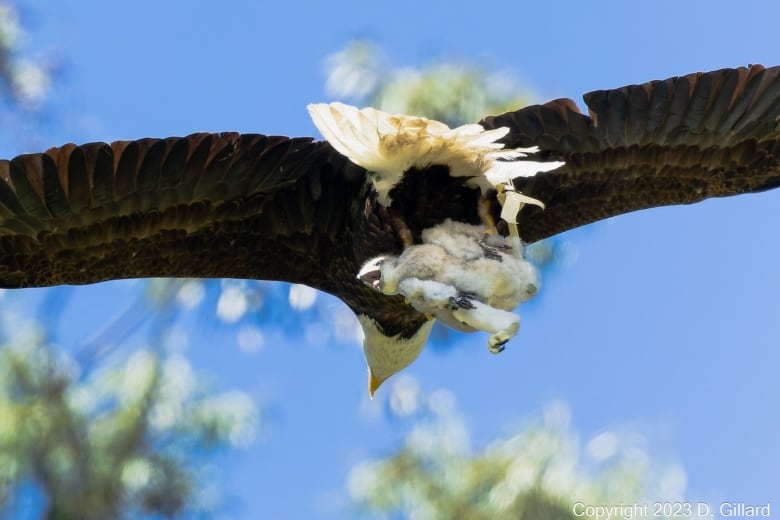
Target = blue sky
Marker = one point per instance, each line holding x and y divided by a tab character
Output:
666	323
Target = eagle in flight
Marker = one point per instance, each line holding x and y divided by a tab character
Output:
402	218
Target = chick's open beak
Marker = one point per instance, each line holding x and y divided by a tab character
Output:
371	273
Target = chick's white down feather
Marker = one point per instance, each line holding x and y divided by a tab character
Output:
387	145
454	262
494	271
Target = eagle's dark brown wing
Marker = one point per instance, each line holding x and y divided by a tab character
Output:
277	208
207	205
676	141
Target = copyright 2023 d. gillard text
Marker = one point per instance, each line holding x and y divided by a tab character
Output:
682	509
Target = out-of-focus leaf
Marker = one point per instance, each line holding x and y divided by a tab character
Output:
541	472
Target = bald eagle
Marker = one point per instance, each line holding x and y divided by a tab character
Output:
321	213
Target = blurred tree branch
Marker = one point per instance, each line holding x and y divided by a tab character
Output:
117	440
540	472
453	93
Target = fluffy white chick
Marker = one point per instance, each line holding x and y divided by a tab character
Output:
466	279
490	269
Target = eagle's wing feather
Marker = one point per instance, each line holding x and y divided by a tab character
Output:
277	208
210	205
676	141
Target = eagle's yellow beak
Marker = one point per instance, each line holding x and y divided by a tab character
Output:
373	383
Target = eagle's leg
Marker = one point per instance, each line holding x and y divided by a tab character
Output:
486	216
488	220
502	324
492	251
401	229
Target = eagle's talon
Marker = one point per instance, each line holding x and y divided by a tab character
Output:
491	252
498	347
461	302
497	342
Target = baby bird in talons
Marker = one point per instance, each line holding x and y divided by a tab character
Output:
464	278
468	277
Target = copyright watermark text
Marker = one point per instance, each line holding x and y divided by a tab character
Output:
671	509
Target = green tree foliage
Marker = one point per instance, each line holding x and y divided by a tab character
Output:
452	93
122	438
540	472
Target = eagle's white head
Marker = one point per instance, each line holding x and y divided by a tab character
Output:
388	355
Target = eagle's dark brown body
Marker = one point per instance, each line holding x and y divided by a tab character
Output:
277	208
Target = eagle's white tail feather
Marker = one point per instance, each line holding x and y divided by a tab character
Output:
502	172
388	145
488	138
340	129
513	153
